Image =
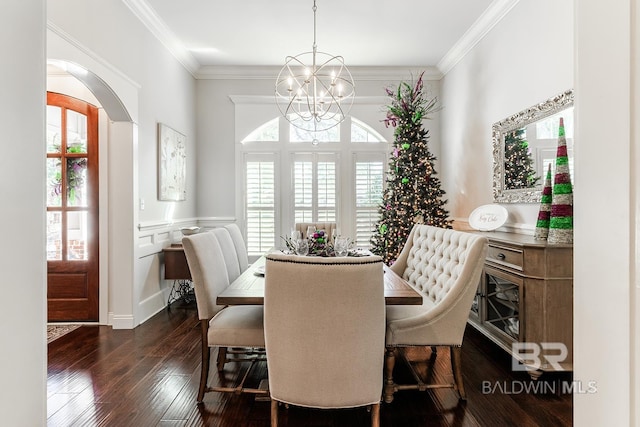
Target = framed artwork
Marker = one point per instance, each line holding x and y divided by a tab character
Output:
172	164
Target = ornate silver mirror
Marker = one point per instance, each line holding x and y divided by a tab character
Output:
525	144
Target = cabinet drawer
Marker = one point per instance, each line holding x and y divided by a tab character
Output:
506	256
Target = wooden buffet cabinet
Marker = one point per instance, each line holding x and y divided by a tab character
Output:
525	295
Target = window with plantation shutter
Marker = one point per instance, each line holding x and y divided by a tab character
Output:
314	187
260	205
369	178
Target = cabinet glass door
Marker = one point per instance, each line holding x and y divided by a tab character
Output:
502	308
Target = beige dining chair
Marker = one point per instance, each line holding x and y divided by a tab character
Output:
324	332
241	247
328	228
229	252
221	327
444	265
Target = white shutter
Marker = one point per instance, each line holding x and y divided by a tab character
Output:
314	187
326	191
369	179
260	205
303	190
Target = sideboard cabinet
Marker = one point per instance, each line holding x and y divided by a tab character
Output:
525	295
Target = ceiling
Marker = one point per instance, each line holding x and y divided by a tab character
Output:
208	34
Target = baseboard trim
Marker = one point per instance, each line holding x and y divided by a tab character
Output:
121	321
152	305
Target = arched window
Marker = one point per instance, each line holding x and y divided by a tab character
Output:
362	132
303	132
269	131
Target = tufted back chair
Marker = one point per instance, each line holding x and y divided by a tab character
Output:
444	265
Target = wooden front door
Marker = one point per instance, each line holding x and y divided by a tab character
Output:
72	209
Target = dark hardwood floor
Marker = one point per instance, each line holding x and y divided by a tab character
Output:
149	376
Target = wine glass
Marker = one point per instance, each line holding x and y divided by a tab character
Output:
310	231
341	246
302	247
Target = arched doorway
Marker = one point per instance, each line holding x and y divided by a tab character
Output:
117	133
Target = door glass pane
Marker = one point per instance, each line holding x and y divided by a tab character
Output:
76	132
76	182
54	236
77	236
54	129
54	182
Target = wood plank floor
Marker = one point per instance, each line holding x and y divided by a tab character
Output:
149	376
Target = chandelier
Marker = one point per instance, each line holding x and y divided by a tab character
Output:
314	90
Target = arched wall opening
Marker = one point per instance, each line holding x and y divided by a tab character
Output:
117	95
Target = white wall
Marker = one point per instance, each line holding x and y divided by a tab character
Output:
107	39
606	212
22	174
525	59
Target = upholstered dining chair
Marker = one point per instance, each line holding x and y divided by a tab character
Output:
328	228
221	327
229	252
324	332
241	247
444	265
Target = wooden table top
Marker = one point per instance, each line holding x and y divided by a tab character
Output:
248	289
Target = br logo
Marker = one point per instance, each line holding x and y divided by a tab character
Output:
531	356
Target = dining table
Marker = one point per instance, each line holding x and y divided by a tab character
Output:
248	288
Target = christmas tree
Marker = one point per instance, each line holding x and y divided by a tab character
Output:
413	193
518	171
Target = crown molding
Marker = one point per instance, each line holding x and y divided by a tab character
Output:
494	14
360	73
161	31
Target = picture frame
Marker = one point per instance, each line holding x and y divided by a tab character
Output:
172	164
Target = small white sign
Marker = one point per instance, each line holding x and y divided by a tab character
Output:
488	217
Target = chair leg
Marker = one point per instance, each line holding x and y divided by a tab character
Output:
375	415
389	385
274	413
206	356
457	370
222	358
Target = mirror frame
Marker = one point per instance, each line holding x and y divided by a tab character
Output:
525	117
